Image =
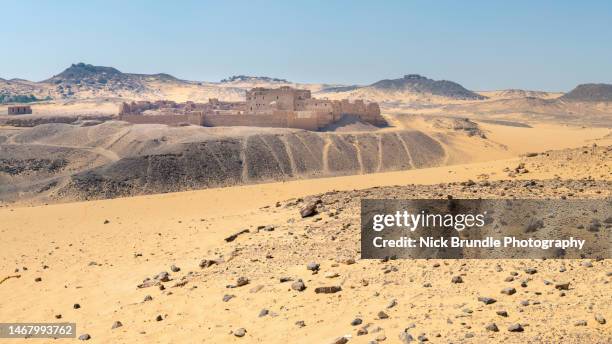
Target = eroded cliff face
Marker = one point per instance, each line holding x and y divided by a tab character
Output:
112	160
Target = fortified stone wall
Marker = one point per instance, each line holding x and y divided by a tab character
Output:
168	119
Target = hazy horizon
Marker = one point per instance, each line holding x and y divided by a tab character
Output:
551	46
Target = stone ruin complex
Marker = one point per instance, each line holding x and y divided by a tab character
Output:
283	107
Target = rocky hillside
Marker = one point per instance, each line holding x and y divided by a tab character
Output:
420	84
410	88
590	93
114	159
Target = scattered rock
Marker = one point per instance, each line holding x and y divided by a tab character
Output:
562	286
76	306
328	290
312	266
228	297
405	338
600	319
530	271
162	277
508	291
37	279
502	313
340	340
159	318
148	298
85	336
487	300
298	285
175	268
235	235
457	279
300	323
263	313
310	209
515	328
492	327
580	323
116	324
382	315
240	332
331	275
206	263
356	321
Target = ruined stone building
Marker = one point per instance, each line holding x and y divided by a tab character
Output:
283	107
19	110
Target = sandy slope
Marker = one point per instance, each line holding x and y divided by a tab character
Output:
98	265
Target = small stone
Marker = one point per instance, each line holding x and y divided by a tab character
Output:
457	279
562	286
159	318
116	324
580	323
298	285
37	279
300	323
587	264
356	321
340	340
525	303
148	298
312	266
328	290
58	316
85	336
405	338
502	313
492	327
487	300
380	337
106	222
509	279
508	291
310	209
515	328
240	332
600	319
392	304
530	271
228	297
427	285
382	315
162	276
175	268
263	313
242	281
206	263
331	275
76	306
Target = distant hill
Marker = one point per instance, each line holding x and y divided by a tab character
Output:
419	84
518	93
590	93
248	78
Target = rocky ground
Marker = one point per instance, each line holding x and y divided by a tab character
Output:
290	270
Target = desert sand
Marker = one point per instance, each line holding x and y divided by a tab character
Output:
97	253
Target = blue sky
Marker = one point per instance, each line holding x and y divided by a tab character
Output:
549	45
